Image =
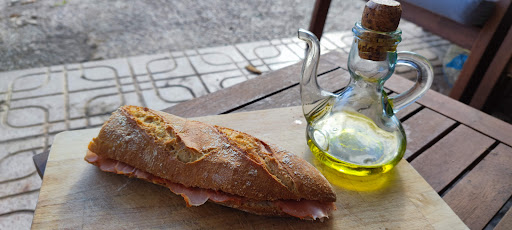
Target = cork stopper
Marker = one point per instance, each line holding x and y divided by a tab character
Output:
381	16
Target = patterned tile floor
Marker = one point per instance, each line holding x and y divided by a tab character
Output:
36	104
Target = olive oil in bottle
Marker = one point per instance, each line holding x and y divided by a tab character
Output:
352	143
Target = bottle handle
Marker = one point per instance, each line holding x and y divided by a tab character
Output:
424	78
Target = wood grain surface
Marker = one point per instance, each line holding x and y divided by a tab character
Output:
77	195
243	93
482	122
451	155
480	194
422	128
494	72
331	81
506	222
474	67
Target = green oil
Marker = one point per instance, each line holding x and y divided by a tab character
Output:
352	143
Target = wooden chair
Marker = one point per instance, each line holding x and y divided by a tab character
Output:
489	45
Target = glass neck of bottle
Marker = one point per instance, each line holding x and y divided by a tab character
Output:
373	55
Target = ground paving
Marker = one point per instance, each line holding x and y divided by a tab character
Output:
39	33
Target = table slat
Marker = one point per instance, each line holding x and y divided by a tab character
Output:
407	110
481	193
447	159
458	111
423	128
331	81
225	100
506	222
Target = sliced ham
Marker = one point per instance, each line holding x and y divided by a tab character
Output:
304	209
193	196
124	168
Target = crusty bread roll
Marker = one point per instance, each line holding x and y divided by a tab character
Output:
190	155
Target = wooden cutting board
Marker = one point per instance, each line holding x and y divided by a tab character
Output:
77	195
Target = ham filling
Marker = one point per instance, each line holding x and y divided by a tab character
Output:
304	209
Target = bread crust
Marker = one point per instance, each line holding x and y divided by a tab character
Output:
200	155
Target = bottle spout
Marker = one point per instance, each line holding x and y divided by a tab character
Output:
312	49
310	91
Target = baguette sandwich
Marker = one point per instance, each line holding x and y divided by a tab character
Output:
203	162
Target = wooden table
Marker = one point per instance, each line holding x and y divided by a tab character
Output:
464	154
